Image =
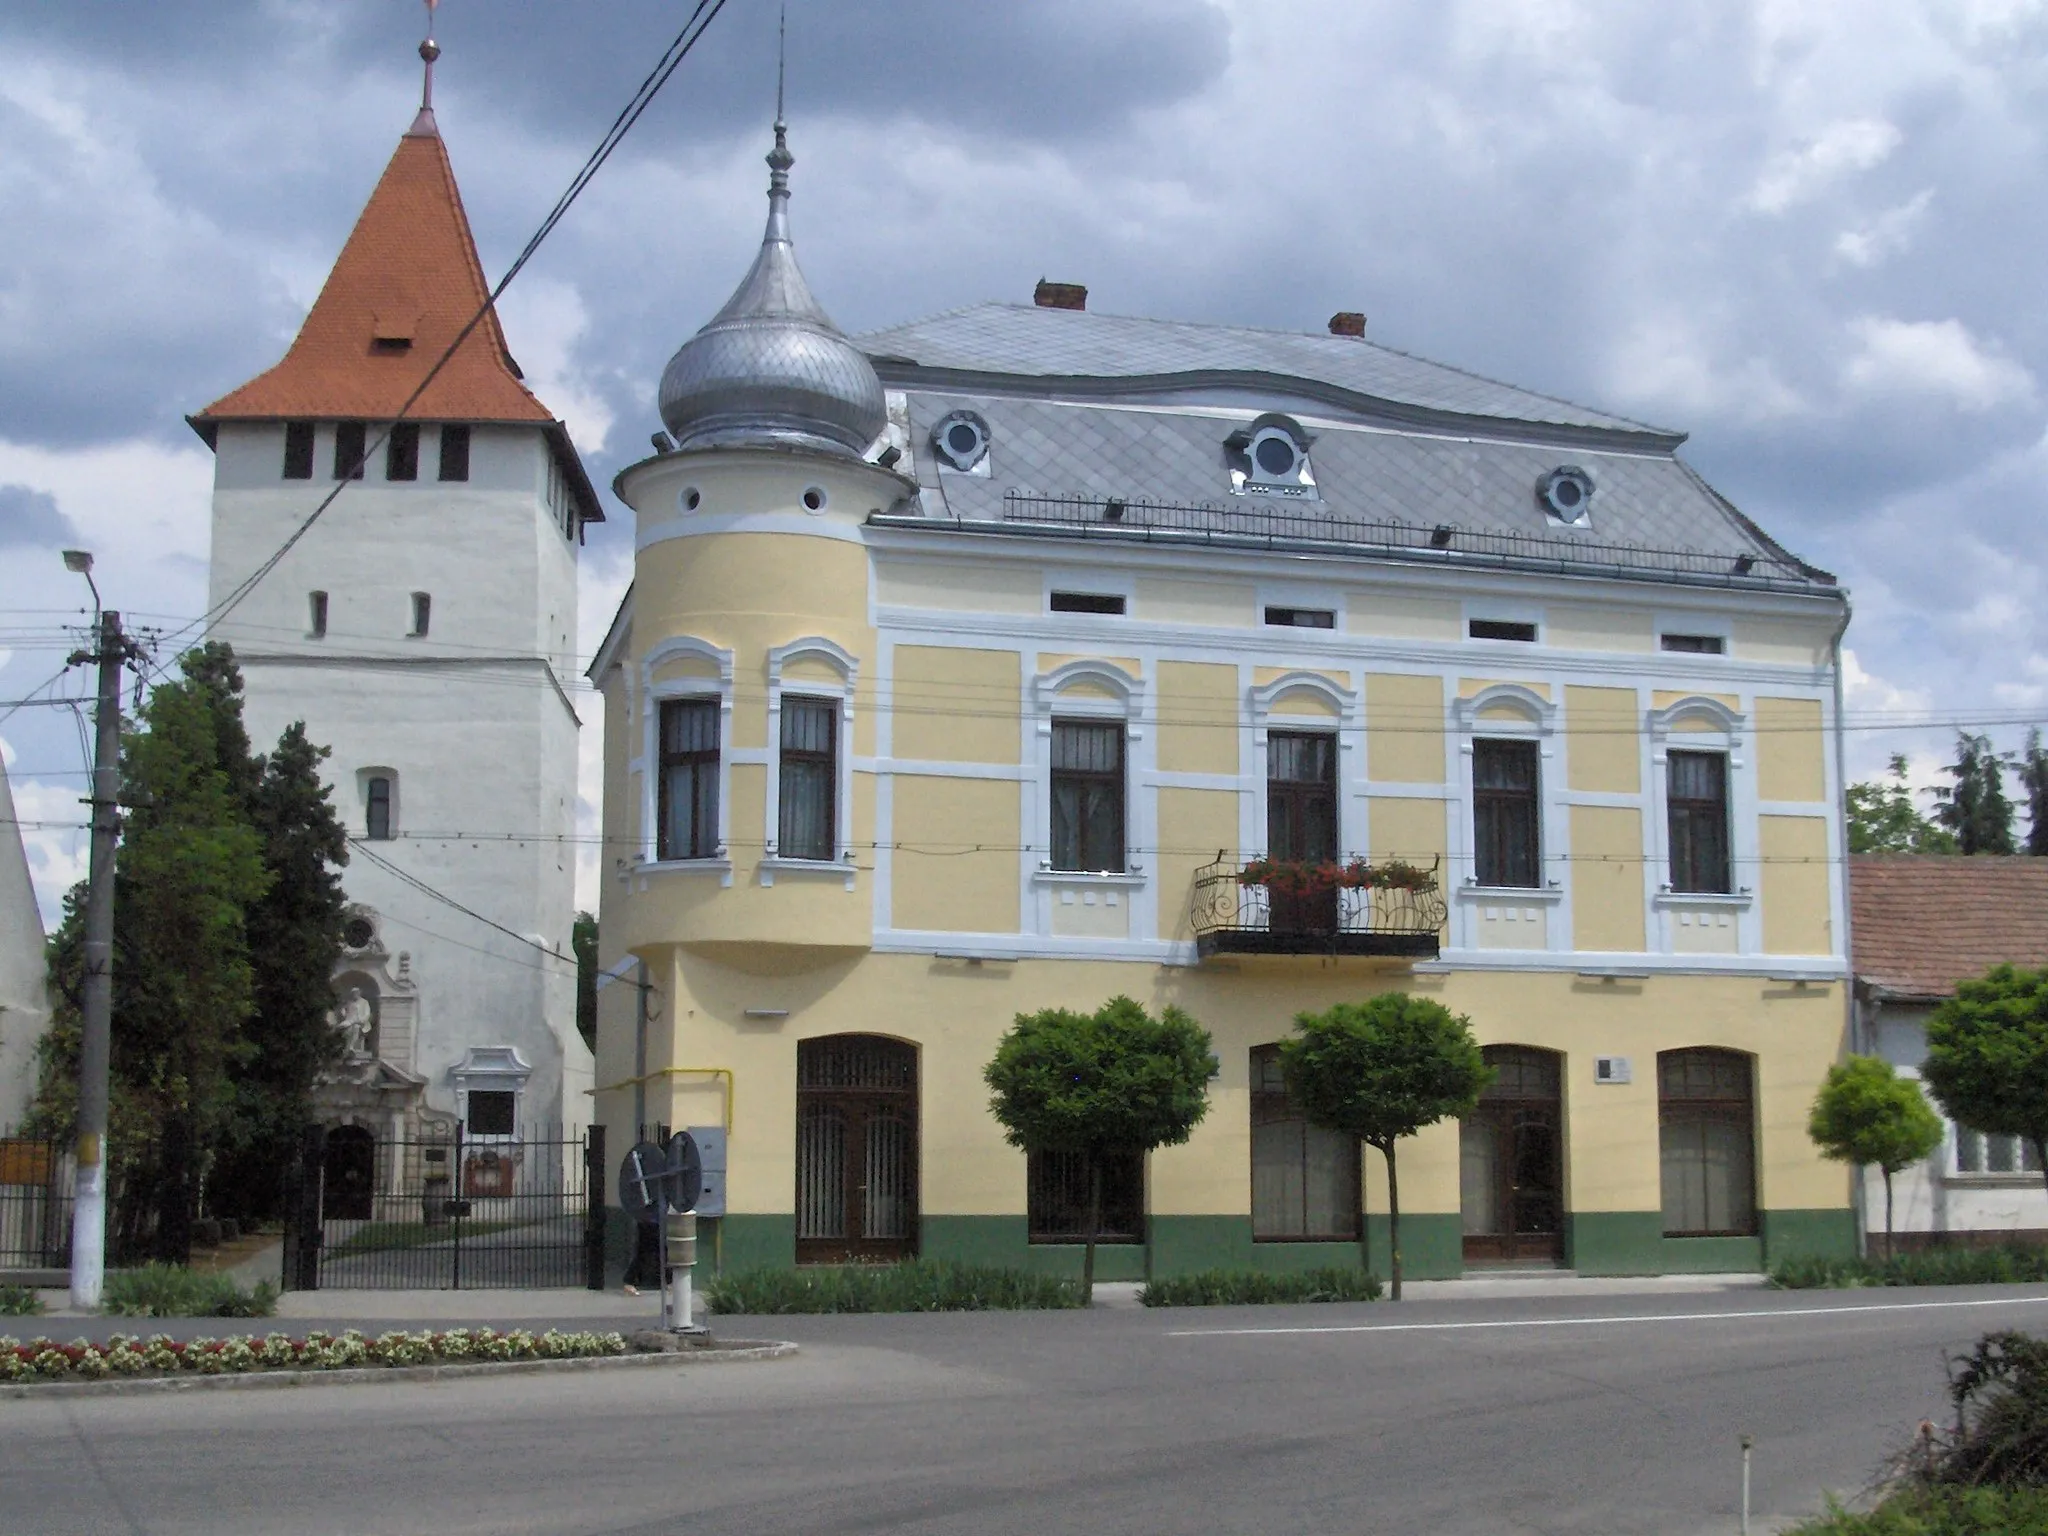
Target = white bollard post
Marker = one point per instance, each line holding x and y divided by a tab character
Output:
682	1252
1747	1442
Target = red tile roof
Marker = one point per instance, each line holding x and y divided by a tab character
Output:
409	273
1919	924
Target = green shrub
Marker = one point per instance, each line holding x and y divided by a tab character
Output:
168	1290
1250	1287
128	1354
917	1285
1930	1266
19	1301
1941	1512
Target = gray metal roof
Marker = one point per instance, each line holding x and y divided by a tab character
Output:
980	345
1053	465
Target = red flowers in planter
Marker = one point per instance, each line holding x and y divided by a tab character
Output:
1306	878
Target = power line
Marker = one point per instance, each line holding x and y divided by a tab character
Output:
357	844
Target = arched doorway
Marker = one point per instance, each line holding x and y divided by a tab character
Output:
856	1149
1511	1161
348	1174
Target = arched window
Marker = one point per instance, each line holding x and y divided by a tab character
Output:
1706	1124
377	808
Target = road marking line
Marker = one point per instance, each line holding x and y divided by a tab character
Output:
1594	1322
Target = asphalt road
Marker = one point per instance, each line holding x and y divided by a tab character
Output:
1614	1415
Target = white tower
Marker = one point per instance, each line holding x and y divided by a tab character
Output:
423	628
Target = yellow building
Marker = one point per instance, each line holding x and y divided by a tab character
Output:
967	668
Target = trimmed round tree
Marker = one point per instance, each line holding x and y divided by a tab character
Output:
1381	1070
1113	1082
1867	1115
1987	1056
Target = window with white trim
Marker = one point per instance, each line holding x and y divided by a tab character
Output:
1507	814
1990	1152
1088	795
1696	806
806	821
687	811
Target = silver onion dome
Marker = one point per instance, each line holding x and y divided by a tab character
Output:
771	367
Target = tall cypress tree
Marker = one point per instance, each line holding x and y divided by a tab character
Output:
2034	779
1974	807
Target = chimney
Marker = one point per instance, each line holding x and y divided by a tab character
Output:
1347	322
1059	295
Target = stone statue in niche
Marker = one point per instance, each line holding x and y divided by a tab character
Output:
352	1021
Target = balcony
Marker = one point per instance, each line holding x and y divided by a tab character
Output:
1264	907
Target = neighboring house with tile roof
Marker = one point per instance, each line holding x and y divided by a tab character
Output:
1919	925
24	996
424	628
1023	656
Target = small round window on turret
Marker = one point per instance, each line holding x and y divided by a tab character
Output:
814	499
1566	493
692	498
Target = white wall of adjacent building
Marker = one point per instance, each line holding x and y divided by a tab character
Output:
24	1000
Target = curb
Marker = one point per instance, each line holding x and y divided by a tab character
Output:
363	1375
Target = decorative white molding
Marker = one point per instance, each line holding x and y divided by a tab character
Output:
652	694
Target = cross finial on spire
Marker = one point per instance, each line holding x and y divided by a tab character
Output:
429	51
781	59
779	158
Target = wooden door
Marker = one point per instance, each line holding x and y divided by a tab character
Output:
1511	1155
1301	823
856	1150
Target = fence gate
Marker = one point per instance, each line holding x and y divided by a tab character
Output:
35	1204
459	1212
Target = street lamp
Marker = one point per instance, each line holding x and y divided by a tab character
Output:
79	561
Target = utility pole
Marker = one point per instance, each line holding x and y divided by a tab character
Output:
89	1209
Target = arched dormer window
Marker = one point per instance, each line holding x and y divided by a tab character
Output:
1269	457
811	686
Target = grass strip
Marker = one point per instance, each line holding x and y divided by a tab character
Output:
2011	1265
1251	1287
917	1285
1940	1512
170	1290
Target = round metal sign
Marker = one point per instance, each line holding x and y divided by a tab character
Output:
685	1172
643	1181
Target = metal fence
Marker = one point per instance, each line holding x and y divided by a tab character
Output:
36	1180
460	1212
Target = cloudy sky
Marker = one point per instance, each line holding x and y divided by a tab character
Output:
1806	232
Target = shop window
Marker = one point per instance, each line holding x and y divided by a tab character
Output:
1304	1178
1706	1123
1058	1192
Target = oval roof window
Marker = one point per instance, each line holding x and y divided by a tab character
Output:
1566	493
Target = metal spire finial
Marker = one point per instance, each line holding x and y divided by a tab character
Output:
781	58
429	51
779	158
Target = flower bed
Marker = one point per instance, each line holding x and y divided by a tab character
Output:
127	1354
1303	878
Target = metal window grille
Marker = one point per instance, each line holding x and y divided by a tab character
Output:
688	812
1304	1178
1505	839
1697	805
1057	1197
806	820
1087	796
1706	1116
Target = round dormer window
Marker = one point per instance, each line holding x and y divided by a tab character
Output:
1566	493
960	440
1274	455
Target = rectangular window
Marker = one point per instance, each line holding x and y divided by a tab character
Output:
455	453
316	615
1088	795
1057	1193
1501	629
1302	618
422	613
298	450
810	779
1988	1152
377	810
1697	800
491	1111
350	440
1301	826
1707	1143
1087	602
1506	840
402	452
1698	645
1304	1178
688	809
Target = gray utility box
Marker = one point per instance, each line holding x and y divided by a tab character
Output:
710	1141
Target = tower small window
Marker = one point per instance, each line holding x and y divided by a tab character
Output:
402	452
454	453
377	809
422	612
298	450
350	439
316	615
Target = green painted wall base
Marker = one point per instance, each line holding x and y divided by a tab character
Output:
1712	1255
1825	1234
733	1243
1432	1245
1615	1242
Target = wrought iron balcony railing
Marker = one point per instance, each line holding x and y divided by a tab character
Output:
1348	908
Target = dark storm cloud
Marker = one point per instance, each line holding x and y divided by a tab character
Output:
31	519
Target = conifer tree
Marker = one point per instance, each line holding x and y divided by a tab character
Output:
1884	819
1974	807
2034	779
